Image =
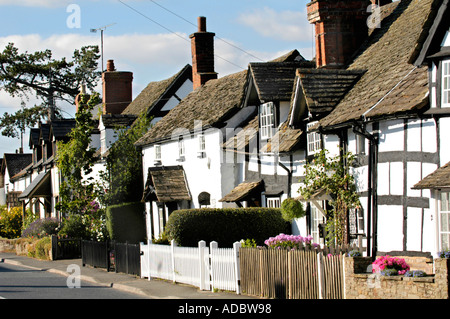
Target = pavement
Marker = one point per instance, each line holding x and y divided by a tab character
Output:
153	289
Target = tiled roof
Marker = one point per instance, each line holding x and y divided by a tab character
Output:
167	184
391	84
16	162
440	178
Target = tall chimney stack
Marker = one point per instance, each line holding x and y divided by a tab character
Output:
202	46
340	29
117	89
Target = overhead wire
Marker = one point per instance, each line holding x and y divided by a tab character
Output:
175	33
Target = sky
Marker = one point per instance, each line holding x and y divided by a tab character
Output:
151	37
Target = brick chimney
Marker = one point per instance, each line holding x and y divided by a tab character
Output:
202	46
340	28
117	89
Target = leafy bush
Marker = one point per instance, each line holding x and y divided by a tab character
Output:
10	222
292	208
74	227
224	225
354	253
126	222
444	253
41	248
42	227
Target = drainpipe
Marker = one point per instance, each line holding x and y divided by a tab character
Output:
289	172
372	205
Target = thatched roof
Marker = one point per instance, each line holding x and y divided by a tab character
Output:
391	84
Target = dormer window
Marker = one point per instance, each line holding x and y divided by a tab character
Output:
445	83
267	120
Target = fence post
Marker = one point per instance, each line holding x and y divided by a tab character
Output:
212	245
320	273
173	245
237	271
201	257
54	247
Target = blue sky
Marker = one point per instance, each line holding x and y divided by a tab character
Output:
150	37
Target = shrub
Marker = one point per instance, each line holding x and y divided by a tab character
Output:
42	227
289	241
292	208
224	225
10	222
126	222
386	263
74	227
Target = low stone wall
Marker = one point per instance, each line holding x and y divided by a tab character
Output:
359	284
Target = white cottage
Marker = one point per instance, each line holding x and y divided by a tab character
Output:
387	119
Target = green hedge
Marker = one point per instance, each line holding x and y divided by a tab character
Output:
226	226
126	222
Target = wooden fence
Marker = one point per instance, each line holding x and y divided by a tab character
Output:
293	274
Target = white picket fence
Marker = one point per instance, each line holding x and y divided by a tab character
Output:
205	267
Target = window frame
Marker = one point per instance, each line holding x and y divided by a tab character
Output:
275	202
267	120
157	153
181	149
444	219
201	145
313	140
445	83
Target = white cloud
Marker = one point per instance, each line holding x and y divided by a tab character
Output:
36	3
284	25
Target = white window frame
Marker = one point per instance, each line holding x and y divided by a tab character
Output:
444	220
181	149
314	140
445	84
201	145
267	120
273	202
157	149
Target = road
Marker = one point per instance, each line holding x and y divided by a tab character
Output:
17	282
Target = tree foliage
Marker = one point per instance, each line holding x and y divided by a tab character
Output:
39	72
123	176
75	160
332	175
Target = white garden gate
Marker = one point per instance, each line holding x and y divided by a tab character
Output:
205	267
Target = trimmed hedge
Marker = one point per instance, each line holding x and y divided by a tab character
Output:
126	222
224	225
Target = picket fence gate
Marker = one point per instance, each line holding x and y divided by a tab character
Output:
207	268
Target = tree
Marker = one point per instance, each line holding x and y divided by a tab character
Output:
75	161
123	175
48	78
332	175
14	125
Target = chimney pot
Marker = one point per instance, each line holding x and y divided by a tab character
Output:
201	24
110	66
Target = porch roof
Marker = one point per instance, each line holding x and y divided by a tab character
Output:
39	187
241	191
166	184
439	179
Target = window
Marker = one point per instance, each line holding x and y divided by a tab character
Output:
445	220
273	202
266	120
201	145
316	220
181	149
157	153
314	140
446	83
